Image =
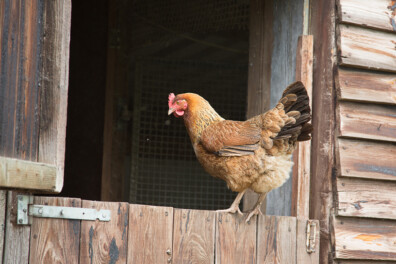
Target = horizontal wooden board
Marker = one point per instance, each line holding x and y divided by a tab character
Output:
16	173
367	48
366	198
358	238
368	121
193	236
367	159
368	86
368	13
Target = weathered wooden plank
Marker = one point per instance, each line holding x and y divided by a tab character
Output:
302	155
105	242
276	240
150	234
259	77
27	174
369	121
366	48
16	242
3	207
365	159
20	35
360	85
235	239
55	240
342	261
301	243
357	238
322	27
366	198
54	85
374	14
193	236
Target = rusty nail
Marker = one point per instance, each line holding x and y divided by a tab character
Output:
342	223
166	213
169	260
24	210
61	212
40	211
168	251
20	221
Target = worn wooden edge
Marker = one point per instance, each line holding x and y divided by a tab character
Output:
3	207
302	155
15	173
366	198
54	90
16	246
366	14
360	238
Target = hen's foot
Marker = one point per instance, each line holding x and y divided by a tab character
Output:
231	210
255	211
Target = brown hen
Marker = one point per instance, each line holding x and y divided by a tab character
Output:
253	154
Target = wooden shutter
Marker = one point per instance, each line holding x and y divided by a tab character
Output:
34	41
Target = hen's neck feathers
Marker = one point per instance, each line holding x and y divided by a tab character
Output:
199	115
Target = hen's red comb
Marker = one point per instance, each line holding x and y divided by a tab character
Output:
170	99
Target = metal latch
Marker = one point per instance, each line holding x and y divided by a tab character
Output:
311	236
27	210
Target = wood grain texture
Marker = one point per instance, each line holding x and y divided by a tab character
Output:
367	13
3	207
287	27
193	236
357	238
20	35
301	243
366	159
367	86
150	234
366	198
16	240
54	85
369	121
105	242
259	75
235	239
321	196
366	48
27	175
276	240
343	261
302	155
55	240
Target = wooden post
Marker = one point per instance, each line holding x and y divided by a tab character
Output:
302	155
259	80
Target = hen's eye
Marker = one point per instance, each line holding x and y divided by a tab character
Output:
178	102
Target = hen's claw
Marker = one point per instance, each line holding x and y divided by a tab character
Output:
231	210
255	211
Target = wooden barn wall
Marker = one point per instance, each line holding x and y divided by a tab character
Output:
364	223
34	44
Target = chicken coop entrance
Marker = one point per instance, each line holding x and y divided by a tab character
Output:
182	46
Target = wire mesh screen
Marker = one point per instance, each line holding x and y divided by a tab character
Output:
164	167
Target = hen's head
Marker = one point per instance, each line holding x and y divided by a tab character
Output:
177	105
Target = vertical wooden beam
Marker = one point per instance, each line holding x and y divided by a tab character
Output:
193	236
55	240
16	241
235	239
3	207
150	234
105	242
54	85
322	163
276	240
259	79
302	155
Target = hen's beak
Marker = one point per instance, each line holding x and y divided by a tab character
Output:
171	110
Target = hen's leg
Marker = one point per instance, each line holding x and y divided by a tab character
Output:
256	209
235	205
